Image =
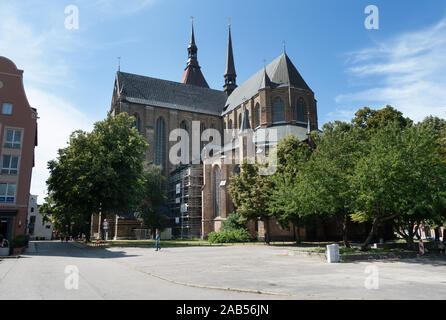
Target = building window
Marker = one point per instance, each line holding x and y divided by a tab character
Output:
230	124
13	139
202	143
256	116
10	165
240	121
160	152
183	125
278	111
7	108
217	180
7	192
300	110
137	123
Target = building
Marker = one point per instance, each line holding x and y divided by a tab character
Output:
18	136
37	228
275	97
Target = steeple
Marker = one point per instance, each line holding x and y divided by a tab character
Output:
230	75
266	82
192	73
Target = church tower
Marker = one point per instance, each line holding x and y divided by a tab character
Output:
192	73
230	75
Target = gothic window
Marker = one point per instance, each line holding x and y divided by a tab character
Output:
160	152
300	110
137	123
240	121
202	128
278	111
183	125
256	116
217	180
230	124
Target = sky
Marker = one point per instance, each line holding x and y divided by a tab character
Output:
69	72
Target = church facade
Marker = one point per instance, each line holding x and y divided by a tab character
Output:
275	97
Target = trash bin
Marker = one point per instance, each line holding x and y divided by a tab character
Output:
333	253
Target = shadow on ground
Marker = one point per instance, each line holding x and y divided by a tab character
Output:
71	249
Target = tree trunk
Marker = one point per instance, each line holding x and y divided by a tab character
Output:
296	233
87	230
267	239
345	231
437	234
364	246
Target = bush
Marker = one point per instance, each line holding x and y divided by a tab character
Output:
230	236
19	241
233	221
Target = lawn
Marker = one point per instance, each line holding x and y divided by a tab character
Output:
177	243
353	250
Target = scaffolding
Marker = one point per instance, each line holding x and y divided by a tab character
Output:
184	200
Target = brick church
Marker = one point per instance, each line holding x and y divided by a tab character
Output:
276	96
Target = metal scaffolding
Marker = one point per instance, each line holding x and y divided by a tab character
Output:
184	200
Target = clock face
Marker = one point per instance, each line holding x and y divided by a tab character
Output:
1	84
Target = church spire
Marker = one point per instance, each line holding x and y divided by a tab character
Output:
192	73
230	75
192	49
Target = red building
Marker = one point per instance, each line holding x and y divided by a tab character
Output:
18	138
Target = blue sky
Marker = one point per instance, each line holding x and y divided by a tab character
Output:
69	74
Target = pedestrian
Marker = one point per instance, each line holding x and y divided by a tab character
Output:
157	240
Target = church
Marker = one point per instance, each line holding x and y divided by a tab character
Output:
276	96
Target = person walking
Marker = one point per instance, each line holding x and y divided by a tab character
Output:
157	240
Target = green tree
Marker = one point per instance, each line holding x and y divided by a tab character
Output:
398	173
153	197
250	193
370	119
332	167
291	196
101	171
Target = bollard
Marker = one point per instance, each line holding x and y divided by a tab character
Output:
421	246
333	253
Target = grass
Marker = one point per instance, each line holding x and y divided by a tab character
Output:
179	243
353	250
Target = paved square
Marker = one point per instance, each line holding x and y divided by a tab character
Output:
226	272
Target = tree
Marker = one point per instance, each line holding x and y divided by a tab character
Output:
152	198
331	171
369	119
398	173
250	193
99	171
289	191
116	171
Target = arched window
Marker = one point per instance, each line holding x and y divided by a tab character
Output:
230	124
217	180
137	123
278	111
237	169
183	125
202	143
240	121
300	110
160	147
256	116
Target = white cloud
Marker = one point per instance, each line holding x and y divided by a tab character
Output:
57	119
407	72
